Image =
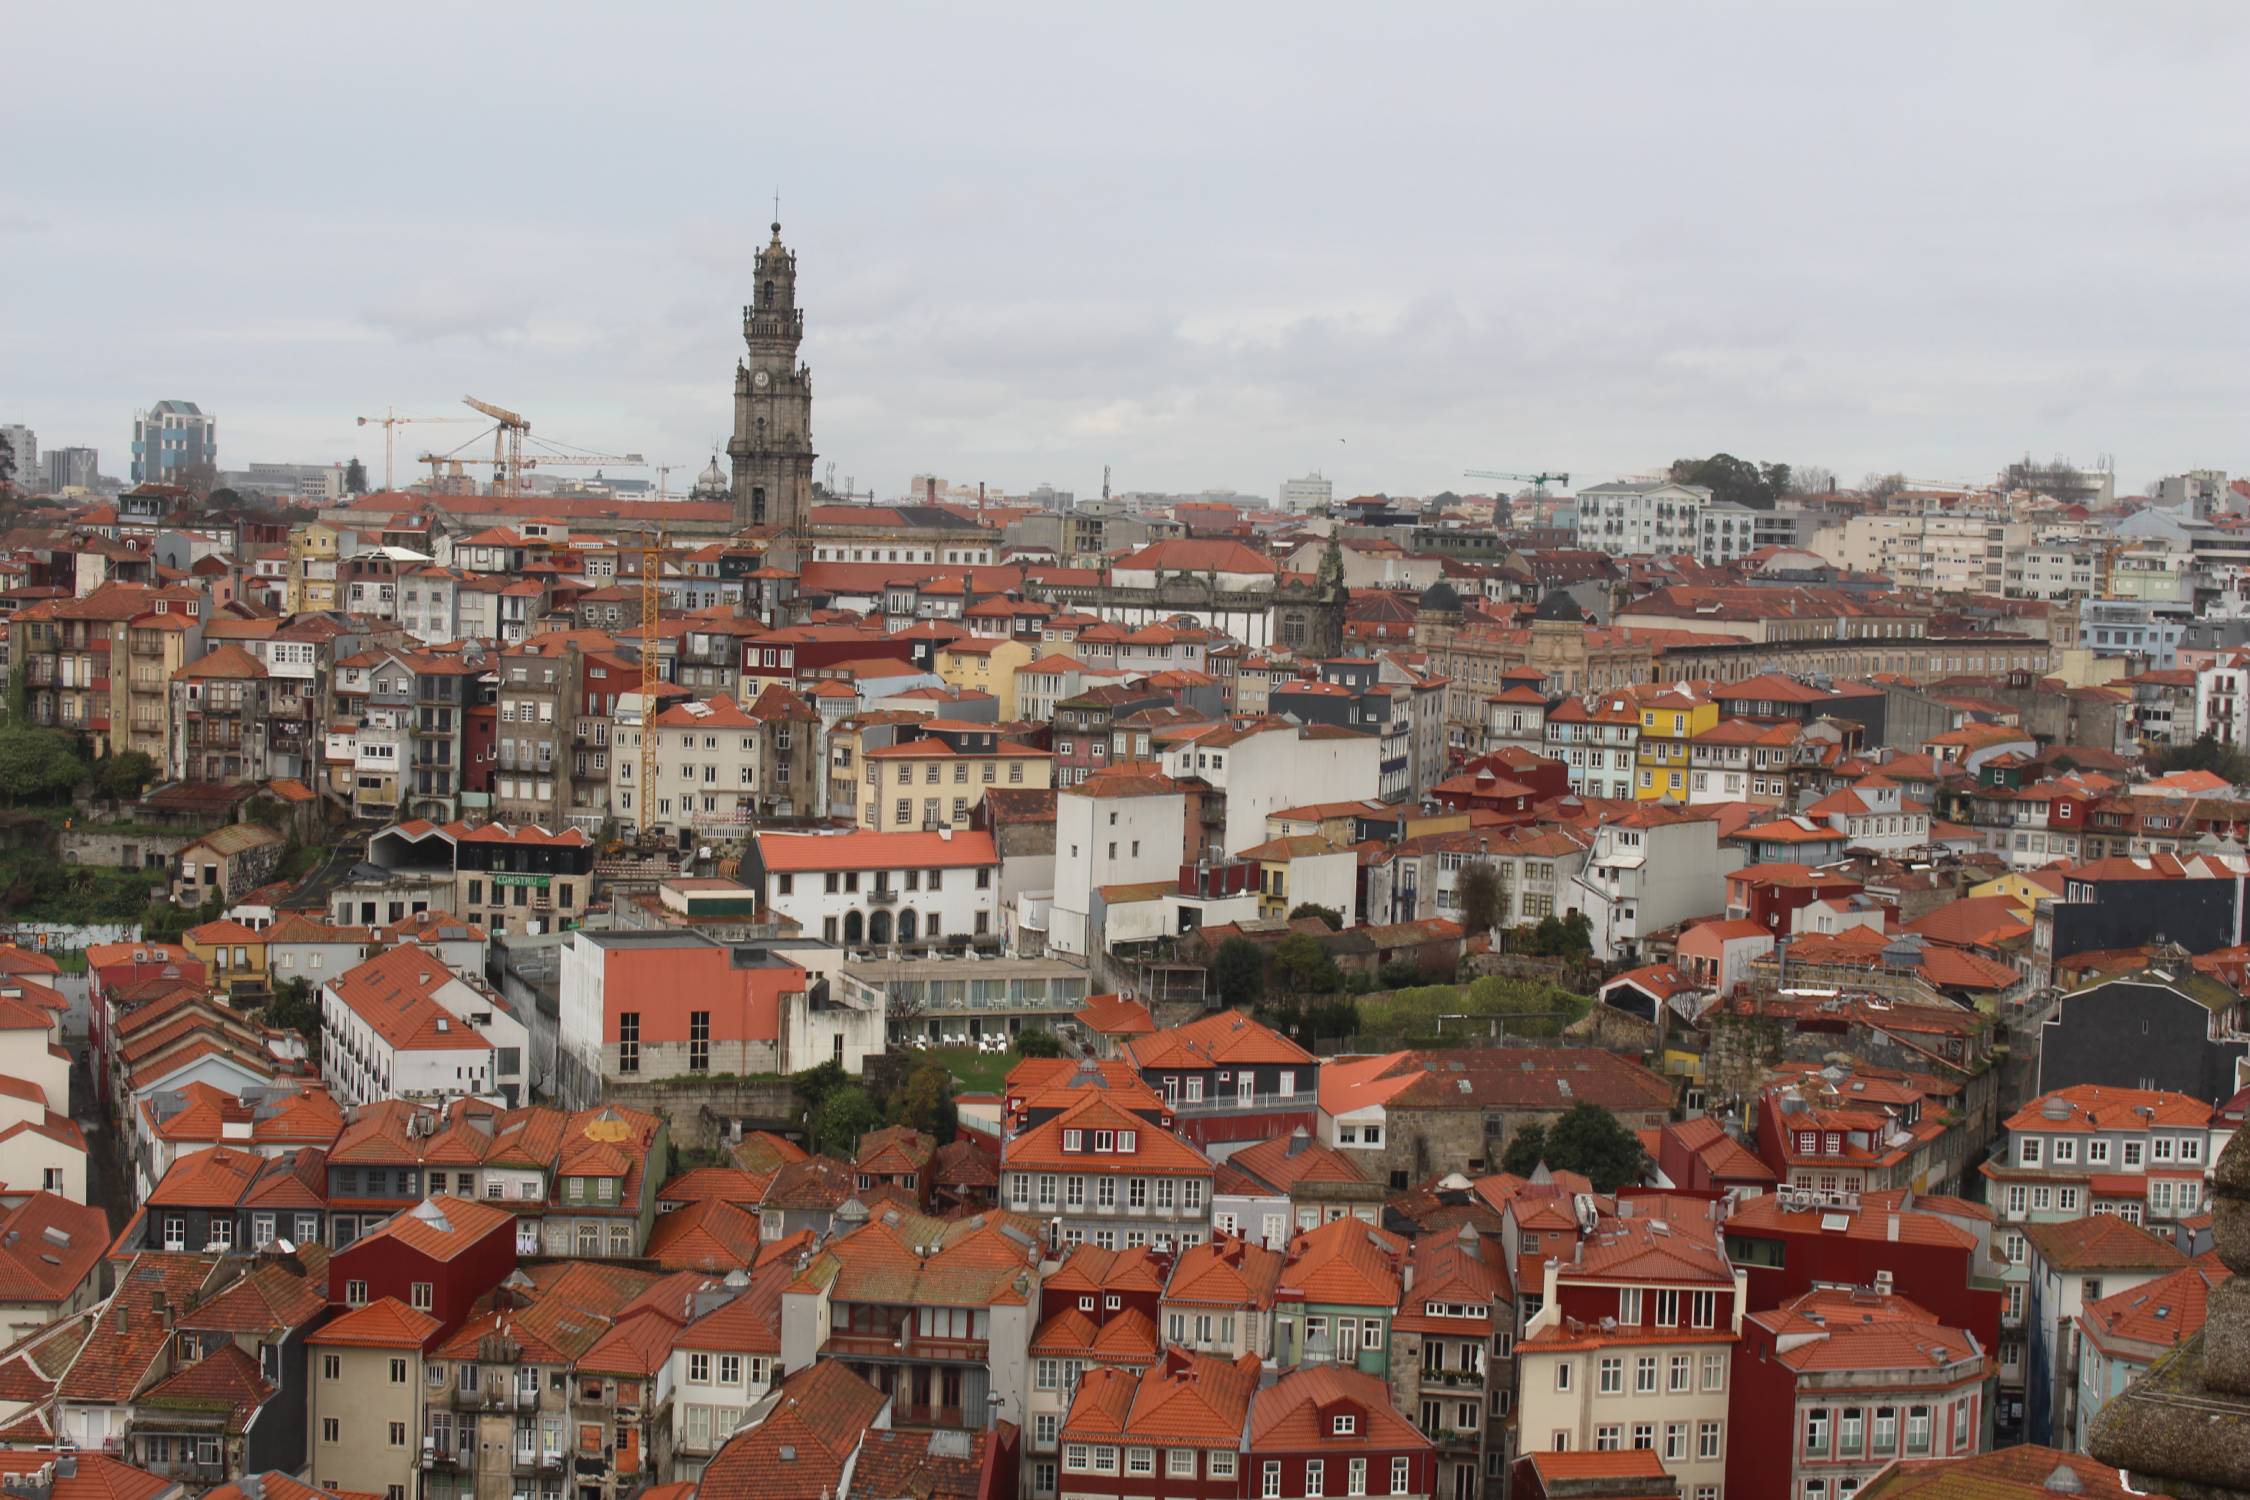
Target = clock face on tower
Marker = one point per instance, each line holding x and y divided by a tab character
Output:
761	380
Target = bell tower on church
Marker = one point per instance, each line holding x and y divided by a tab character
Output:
771	453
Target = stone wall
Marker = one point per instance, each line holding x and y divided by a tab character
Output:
123	851
701	1109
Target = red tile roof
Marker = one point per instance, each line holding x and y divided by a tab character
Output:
387	1324
800	1450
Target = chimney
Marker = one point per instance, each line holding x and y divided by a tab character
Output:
929	488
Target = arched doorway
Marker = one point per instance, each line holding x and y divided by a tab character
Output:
907	923
852	931
879	929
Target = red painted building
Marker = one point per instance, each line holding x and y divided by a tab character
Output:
1929	1257
437	1257
1836	1384
1326	1430
1174	1431
480	746
1770	895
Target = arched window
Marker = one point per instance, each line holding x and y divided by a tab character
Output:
769	294
757	504
907	923
852	929
879	928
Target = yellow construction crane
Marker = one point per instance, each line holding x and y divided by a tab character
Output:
390	421
653	543
506	437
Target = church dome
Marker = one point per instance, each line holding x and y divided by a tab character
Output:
1442	597
712	483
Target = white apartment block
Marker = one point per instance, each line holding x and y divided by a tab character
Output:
1648	517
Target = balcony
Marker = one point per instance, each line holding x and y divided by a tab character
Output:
906	1415
449	1457
189	1471
502	1398
1243	1103
906	1344
538	1462
882	895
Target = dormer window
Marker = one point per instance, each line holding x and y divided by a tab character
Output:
1105	1140
1344	1425
1126	1140
1074	1140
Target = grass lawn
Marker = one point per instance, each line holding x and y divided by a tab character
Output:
977	1072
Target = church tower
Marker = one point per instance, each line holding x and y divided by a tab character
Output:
771	452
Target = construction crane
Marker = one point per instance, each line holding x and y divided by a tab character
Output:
653	543
390	421
1538	482
509	432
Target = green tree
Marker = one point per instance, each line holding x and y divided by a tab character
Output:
1570	936
1734	479
1400	973
1238	971
1525	1150
925	1101
816	1084
293	1007
1037	1041
841	1118
1331	1018
1302	967
37	765
355	477
122	777
1477	890
1328	914
1588	1140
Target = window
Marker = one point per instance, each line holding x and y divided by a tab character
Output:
1682	1374
355	1293
1221	1465
398	1371
1707	1440
699	1041
1703	1309
629	1041
699	1369
1629	1305
1356	1477
1562	1375
1609	1437
1399	1475
1644	1375
1269	1484
1714	1372
331	1430
1816	1431
1345	1425
398	1434
1611	1379
1140	1460
331	1366
1316	1478
1179	1463
1675	1441
2097	1153
420	1294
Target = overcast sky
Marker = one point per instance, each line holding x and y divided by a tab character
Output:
1211	245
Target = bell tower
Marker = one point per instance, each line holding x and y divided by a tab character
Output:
771	453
